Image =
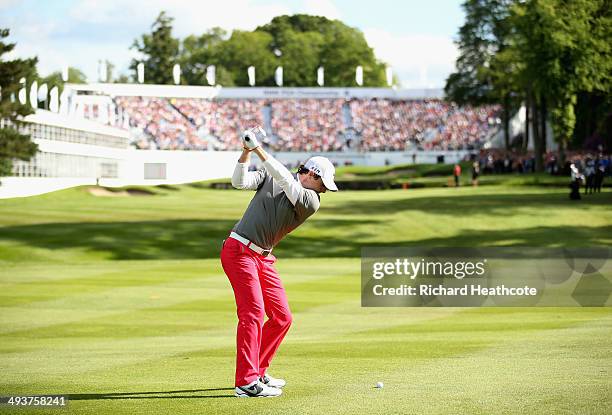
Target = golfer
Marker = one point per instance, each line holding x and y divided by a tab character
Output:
281	203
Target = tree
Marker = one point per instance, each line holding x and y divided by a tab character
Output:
13	144
299	43
199	52
300	57
547	52
585	59
307	42
480	78
159	51
593	121
244	49
563	49
345	49
122	79
75	76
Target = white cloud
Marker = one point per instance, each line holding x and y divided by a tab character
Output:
190	16
36	36
420	60
321	8
79	54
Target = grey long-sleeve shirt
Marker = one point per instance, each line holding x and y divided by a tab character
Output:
280	204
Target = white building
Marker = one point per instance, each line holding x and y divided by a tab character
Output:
74	151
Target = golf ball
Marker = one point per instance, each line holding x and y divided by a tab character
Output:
379	385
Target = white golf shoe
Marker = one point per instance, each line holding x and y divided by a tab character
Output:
256	389
273	382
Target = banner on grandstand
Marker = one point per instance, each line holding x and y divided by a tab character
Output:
207	92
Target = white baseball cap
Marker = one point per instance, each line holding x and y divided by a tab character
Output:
324	168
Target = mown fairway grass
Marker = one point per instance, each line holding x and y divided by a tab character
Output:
121	303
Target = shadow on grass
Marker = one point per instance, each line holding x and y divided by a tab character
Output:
200	239
172	239
149	395
196	239
472	204
539	236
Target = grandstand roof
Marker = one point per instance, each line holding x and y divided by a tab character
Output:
77	123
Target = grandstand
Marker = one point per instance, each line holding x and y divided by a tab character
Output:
335	119
119	134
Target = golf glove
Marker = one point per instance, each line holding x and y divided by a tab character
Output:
252	137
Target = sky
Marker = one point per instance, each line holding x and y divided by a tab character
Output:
414	37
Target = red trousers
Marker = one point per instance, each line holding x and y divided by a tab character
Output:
259	292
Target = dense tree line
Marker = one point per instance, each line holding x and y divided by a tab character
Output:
554	56
299	43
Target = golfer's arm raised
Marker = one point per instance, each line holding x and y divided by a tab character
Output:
283	177
244	179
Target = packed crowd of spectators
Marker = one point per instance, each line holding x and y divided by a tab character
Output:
222	119
306	124
386	125
167	128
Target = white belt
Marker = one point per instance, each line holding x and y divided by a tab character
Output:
249	244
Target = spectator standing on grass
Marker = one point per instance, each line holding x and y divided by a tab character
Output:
575	184
600	172
457	174
475	173
589	172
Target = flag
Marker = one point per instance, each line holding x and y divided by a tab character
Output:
23	98
278	75
359	75
176	73
251	73
54	100
210	74
34	95
140	71
321	76
389	76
